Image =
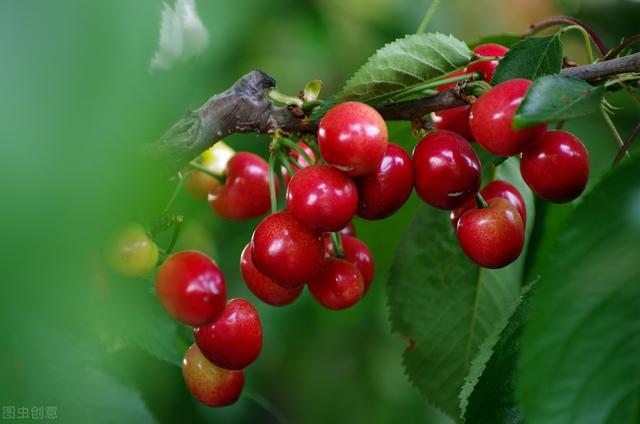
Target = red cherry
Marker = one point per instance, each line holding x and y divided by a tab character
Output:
348	230
487	68
338	285
262	286
353	138
300	159
191	288
382	193
322	198
285	250
556	166
234	340
355	251
455	119
496	188
245	193
492	237
447	170
211	385
453	84
491	119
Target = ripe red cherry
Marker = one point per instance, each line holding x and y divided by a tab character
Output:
382	193
492	237
491	119
234	340
447	170
348	230
300	159
285	250
487	68
262	286
496	188
355	251
191	288
322	198
353	138
338	285
455	119
556	166
245	193
211	385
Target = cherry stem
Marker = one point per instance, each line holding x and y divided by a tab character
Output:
620	47
195	165
284	99
627	143
273	196
174	195
177	225
435	84
290	144
265	404
613	129
481	202
427	17
587	41
336	240
568	20
284	159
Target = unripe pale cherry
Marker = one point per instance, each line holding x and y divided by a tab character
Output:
556	166
210	384
355	251
322	198
491	119
353	137
496	188
215	159
338	284
245	193
285	250
234	340
131	251
191	288
492	237
383	192
262	286
447	170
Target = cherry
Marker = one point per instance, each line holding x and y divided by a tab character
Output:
234	340
492	237
338	284
353	137
262	286
131	252
215	159
487	68
285	250
496	188
348	230
300	159
211	385
191	288
322	198
245	193
455	119
199	185
355	251
382	193
447	170
491	119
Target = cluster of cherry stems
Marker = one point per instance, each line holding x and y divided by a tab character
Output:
351	170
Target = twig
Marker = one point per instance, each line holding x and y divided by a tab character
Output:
568	20
627	143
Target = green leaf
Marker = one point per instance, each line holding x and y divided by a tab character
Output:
445	304
530	58
405	63
507	40
555	98
579	357
488	395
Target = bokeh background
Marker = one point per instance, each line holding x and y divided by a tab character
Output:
76	102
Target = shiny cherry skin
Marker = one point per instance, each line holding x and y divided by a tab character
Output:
348	230
338	285
382	193
191	288
210	384
285	250
245	193
491	119
353	137
131	251
556	166
492	237
455	119
488	68
355	251
300	159
322	198
262	286
447	170
496	188
234	340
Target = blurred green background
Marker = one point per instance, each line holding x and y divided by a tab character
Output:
77	100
